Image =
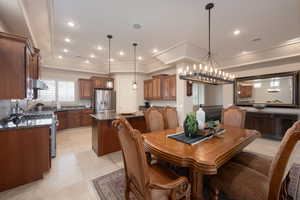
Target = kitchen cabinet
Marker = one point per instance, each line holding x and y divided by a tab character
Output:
160	87
169	88
101	82
25	156
17	67
85	88
86	119
62	120
74	118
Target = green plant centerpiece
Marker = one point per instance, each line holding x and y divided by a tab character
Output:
190	125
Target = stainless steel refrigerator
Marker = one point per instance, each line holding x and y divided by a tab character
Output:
105	100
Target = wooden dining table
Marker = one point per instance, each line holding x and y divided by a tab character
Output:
204	158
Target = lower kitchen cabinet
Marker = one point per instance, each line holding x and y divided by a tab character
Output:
74	118
24	156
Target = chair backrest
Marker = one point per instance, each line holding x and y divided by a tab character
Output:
279	163
171	118
135	164
234	116
154	119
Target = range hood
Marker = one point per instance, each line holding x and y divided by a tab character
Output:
40	85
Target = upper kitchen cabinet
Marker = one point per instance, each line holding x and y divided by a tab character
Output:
160	87
85	88
100	82
19	66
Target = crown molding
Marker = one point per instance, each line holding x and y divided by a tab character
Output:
28	24
59	67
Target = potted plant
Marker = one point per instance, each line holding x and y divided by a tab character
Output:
190	125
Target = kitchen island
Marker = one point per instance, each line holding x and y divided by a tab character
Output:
105	137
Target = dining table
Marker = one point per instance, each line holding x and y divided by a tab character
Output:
204	158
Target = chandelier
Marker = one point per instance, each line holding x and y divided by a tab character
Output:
109	83
207	71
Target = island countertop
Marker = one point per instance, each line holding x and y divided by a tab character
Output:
113	116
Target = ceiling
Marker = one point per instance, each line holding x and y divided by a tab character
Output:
164	24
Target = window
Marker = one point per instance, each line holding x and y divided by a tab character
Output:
274	83
63	91
257	85
66	90
50	94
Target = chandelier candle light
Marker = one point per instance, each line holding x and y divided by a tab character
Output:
206	72
109	83
134	84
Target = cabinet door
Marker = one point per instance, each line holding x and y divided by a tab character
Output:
146	89
86	119
166	88
85	91
29	65
172	87
156	88
62	120
74	118
150	89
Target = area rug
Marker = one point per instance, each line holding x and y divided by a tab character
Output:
112	186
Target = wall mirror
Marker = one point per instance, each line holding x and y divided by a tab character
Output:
272	90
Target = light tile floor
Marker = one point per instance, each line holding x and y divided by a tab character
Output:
76	165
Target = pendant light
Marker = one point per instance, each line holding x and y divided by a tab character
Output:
207	71
134	84
109	83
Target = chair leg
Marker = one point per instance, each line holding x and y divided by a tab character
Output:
215	192
127	192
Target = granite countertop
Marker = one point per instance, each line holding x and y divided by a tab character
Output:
27	123
65	108
112	116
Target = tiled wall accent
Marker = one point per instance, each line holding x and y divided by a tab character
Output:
4	108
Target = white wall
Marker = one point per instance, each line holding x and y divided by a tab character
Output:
213	95
56	74
128	100
2	27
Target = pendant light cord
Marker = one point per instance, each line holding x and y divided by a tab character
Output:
134	45
209	48
109	39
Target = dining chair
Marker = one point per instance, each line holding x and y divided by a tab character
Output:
154	119
146	181
234	116
170	117
255	177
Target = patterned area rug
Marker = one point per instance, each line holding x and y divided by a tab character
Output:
112	186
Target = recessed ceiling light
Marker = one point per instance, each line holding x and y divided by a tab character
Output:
66	50
99	48
67	40
140	58
112	60
60	57
121	53
236	32
92	56
71	24
87	61
154	51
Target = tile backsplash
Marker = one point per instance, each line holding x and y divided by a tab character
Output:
4	108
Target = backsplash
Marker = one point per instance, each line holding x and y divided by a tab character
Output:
4	108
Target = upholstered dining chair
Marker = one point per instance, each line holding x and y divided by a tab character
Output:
234	116
254	177
170	117
146	181
154	119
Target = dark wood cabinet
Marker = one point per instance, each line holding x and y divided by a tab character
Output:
85	88
74	118
270	125
86	119
160	87
62	120
17	67
24	156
